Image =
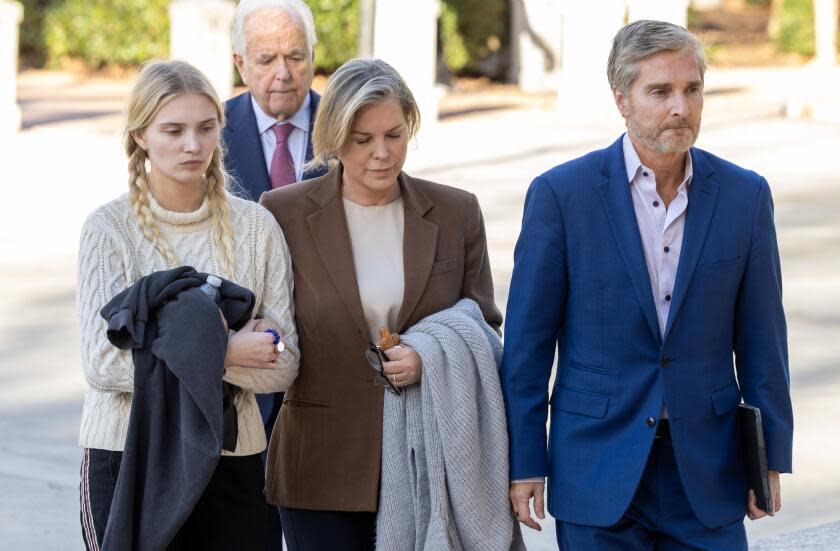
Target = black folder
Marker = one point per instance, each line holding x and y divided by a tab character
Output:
755	455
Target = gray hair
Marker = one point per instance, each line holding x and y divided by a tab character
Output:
356	84
296	8
641	39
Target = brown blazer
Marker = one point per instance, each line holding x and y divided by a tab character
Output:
325	450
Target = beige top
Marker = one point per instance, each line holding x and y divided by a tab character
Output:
113	254
376	235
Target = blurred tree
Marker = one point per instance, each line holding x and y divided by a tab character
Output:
791	26
337	25
32	32
453	49
472	33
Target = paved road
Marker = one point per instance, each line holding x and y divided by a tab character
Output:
68	161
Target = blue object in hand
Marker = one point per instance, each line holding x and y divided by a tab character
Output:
277	342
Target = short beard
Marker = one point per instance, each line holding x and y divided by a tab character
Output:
655	140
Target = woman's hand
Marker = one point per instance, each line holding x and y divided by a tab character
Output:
405	367
251	347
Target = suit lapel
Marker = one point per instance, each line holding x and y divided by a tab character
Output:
419	246
314	100
702	198
615	194
246	148
328	227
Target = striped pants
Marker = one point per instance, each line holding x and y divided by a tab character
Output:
231	514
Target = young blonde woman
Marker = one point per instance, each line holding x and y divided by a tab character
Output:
177	212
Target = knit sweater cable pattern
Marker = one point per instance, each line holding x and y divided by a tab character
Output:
444	480
113	254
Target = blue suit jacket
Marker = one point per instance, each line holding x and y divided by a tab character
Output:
244	158
580	282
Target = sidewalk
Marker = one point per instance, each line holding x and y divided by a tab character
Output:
69	160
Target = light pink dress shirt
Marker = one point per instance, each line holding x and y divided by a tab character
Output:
660	228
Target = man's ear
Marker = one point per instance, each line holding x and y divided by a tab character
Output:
240	66
140	139
620	102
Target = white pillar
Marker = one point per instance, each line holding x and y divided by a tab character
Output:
672	11
405	36
537	42
825	27
11	14
200	34
584	92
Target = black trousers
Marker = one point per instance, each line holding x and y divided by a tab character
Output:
306	530
231	513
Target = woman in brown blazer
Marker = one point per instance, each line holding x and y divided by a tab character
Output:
371	247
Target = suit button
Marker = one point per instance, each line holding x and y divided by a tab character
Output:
665	361
650	421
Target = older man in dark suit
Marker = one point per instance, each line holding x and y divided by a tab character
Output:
267	134
268	128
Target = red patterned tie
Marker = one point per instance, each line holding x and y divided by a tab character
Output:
282	166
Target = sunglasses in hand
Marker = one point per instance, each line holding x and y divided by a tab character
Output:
376	358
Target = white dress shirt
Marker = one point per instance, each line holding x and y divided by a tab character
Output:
298	139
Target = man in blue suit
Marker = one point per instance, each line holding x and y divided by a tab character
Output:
650	264
268	130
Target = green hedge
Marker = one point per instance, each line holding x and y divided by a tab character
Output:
129	32
102	32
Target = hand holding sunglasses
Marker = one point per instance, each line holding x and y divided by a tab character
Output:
398	368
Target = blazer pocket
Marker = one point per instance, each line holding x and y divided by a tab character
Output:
584	377
444	266
720	264
580	403
298	403
726	399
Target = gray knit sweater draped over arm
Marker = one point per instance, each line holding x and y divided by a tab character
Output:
445	445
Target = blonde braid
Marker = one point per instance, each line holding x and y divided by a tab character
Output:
138	196
217	198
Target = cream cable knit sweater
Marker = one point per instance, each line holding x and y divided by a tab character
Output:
113	254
